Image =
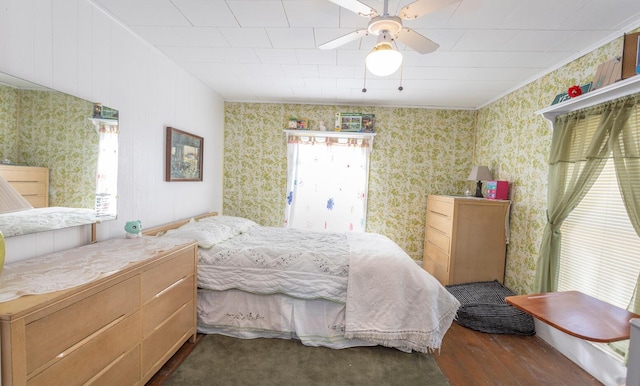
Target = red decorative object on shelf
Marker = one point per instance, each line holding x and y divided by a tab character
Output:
574	91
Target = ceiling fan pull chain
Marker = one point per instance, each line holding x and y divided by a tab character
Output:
400	88
364	85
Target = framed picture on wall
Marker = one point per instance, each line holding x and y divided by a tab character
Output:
183	156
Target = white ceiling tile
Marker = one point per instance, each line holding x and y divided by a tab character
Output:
481	14
534	14
316	13
291	37
339	71
279	56
532	41
207	13
246	37
314	56
484	40
191	54
252	13
302	71
145	12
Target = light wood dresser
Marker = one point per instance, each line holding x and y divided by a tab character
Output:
465	239
30	181
116	330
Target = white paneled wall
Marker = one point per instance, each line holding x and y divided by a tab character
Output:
73	47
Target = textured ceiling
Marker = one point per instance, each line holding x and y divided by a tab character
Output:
266	50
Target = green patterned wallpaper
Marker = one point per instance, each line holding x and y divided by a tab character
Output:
416	152
52	129
8	122
514	141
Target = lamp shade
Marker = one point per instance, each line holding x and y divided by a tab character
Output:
480	173
383	60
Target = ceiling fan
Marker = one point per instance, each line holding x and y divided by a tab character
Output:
389	28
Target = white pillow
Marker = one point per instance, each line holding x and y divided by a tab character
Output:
238	225
206	238
213	230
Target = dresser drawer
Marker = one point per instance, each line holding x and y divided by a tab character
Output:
168	337
166	303
439	205
125	370
161	277
439	239
436	263
440	222
67	327
94	355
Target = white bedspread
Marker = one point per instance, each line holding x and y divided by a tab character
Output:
390	300
265	260
45	219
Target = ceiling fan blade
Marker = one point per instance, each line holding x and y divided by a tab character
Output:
422	7
416	41
355	6
344	39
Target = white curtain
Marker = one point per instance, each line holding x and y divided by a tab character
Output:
107	176
327	180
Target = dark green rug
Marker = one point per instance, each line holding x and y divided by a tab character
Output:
221	360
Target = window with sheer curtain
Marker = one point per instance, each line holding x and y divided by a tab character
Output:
107	175
327	181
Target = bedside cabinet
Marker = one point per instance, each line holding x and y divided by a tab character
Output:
465	239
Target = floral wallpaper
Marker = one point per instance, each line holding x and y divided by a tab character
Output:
514	142
52	129
8	122
416	152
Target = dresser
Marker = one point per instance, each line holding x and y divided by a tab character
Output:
31	182
465	239
117	329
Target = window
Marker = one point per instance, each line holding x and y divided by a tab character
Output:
327	181
600	252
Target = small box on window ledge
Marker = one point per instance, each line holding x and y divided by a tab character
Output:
497	190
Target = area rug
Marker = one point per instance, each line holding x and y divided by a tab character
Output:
221	360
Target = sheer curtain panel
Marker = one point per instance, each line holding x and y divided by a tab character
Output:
327	181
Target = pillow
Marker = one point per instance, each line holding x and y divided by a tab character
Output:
211	230
238	225
205	238
12	201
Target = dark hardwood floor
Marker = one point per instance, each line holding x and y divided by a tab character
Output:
471	358
468	357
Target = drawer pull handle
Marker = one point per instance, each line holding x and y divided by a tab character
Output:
170	287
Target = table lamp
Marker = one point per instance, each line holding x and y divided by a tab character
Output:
479	173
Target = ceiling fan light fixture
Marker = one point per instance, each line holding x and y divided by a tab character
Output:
383	60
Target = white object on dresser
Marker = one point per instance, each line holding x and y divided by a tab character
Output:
116	329
466	239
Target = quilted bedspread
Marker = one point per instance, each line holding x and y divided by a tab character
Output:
390	300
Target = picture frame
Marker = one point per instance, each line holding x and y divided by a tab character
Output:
184	156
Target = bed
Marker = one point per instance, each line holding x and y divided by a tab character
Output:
334	290
24	200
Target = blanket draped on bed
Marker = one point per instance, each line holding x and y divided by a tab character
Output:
393	302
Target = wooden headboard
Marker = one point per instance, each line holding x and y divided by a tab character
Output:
173	225
30	181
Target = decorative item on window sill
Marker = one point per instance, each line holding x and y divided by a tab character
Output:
479	174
